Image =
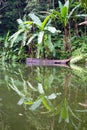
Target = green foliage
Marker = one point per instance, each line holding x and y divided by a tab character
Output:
11	53
84	3
10	11
65	14
40	36
44	31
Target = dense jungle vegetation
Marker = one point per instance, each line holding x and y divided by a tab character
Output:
54	29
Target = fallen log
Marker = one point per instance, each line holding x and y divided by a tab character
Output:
36	61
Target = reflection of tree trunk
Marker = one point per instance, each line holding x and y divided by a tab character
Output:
67	45
52	124
67	82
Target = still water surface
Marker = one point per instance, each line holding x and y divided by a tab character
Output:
42	98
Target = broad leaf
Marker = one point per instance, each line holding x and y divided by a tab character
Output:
45	22
20	22
21	101
60	5
14	37
47	103
35	19
40	88
52	96
64	12
67	4
35	105
31	38
64	112
50	44
51	29
24	38
28	22
40	37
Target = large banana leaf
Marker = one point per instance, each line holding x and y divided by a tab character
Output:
40	37
14	37
60	5
31	38
50	44
35	19
45	22
64	12
67	4
52	29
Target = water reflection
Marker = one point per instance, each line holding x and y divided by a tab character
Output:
40	98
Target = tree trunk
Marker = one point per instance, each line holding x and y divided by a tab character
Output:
76	29
67	45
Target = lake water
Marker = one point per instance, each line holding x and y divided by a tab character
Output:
43	98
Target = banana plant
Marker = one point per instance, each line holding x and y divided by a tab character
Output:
43	34
18	40
23	30
64	16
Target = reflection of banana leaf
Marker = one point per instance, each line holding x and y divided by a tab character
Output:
42	99
27	96
40	95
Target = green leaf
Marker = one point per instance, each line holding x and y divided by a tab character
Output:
45	21
67	4
60	5
6	43
50	44
71	12
40	37
64	12
14	37
81	15
35	19
30	85
74	114
84	3
81	111
28	22
64	113
40	88
52	96
31	38
24	38
57	13
47	103
20	22
28	102
51	29
21	101
35	105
